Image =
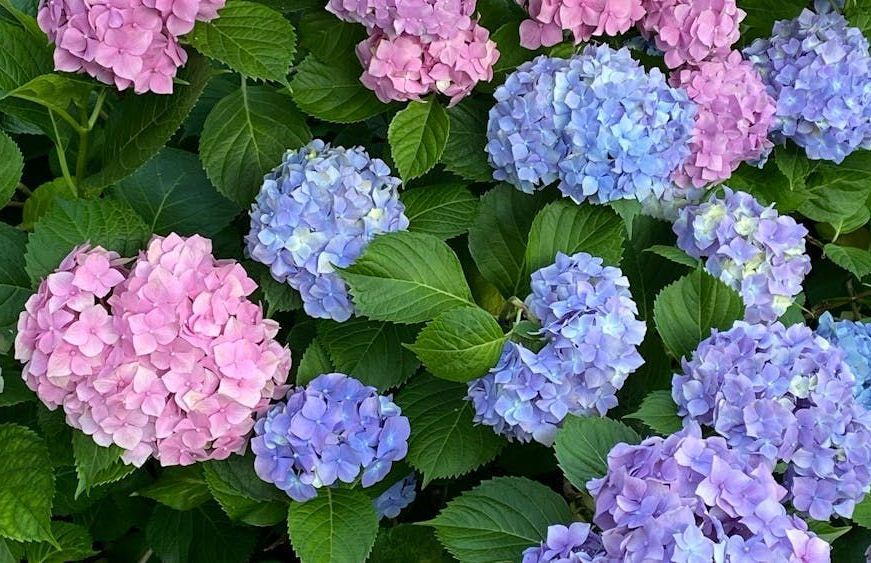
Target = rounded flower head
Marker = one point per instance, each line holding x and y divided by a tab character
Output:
734	115
575	543
583	18
819	71
317	211
429	19
331	430
692	31
169	360
400	494
854	338
751	248
406	67
691	499
783	394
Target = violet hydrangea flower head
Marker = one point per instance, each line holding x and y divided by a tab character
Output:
783	394
734	115
854	338
317	211
575	543
429	19
687	498
751	248
398	496
819	70
692	31
548	19
329	431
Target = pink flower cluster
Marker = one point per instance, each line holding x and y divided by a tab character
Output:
691	31
123	42
734	116
168	358
422	18
584	18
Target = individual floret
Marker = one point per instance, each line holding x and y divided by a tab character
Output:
429	19
392	501
575	543
854	338
316	212
329	431
583	18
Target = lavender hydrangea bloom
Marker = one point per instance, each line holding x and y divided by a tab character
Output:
783	394
391	502
751	248
689	499
576	543
855	340
819	71
317	211
331	430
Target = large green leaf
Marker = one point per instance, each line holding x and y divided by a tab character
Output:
201	535
337	526
245	136
11	167
180	487
315	361
331	38
862	513
417	137
23	57
26	485
407	277
497	520
173	195
43	199
14	282
333	92
442	210
839	191
408	543
73	543
56	92
444	441
465	154
107	223
242	494
687	310
855	260
583	443
96	465
659	412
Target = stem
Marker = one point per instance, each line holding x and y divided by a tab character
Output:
82	154
24	189
146	556
15	204
98	106
61	156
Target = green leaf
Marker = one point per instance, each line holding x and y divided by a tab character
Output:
770	185
43	198
527	333
464	153
337	526
862	513
442	210
854	260
687	310
444	441
371	351
242	494
659	413
11	167
497	520
461	344
407	277
141	125
417	137
13	390
14	282
280	297
315	361
858	13
628	210
179	487
173	195
332	39
107	223
407	543
838	192
201	535
27	486
23	57
333	92
564	226
54	91
511	53
827	531
676	255
245	136
243	37
793	164
96	465
74	543
583	443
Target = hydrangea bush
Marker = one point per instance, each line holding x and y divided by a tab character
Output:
337	281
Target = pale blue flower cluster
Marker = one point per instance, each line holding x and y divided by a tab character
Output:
317	212
783	394
400	494
575	543
598	122
592	333
818	69
854	338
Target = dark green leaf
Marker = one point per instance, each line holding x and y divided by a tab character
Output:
23	57
74	543
337	526
854	260
202	535
44	197
407	543
332	39
583	443
27	485
659	413
827	531
761	15
676	255
242	494
464	153
180	487
333	91
14	282
417	137
442	210
95	464
315	361
11	166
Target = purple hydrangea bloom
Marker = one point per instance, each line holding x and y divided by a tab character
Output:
430	19
575	543
854	338
331	430
391	502
691	499
751	248
818	69
783	394
317	211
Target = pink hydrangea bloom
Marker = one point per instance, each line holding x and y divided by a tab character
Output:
691	31
429	19
584	18
734	116
406	67
169	359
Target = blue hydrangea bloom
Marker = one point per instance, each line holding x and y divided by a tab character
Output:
575	543
392	501
750	248
783	394
316	212
331	430
818	69
855	340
